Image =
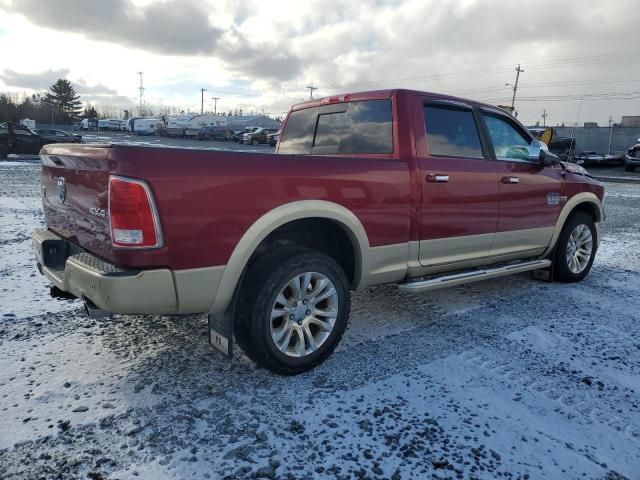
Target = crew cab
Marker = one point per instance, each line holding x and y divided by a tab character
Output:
395	186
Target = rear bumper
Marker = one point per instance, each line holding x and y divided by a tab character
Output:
118	290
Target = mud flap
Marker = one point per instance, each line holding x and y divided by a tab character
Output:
546	274
221	333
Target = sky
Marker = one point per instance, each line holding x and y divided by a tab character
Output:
581	58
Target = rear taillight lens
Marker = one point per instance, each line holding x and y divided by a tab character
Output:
132	214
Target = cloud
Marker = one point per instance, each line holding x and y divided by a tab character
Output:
170	27
43	80
166	27
33	81
269	61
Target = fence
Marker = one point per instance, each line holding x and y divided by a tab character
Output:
597	138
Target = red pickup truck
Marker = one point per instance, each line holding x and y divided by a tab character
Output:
392	186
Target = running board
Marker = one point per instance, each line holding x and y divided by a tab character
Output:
472	276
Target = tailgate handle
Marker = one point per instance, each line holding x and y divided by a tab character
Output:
437	178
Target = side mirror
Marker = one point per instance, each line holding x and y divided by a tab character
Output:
538	153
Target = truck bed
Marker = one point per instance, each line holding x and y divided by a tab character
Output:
208	199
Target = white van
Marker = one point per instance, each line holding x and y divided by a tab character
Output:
147	126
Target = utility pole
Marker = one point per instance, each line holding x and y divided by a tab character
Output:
612	127
311	89
215	104
544	117
202	90
141	92
515	87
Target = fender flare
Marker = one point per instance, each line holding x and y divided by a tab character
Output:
274	219
569	207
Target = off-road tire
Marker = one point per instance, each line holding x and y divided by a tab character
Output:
562	272
262	282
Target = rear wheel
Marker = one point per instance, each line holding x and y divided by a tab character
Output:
292	309
4	151
576	248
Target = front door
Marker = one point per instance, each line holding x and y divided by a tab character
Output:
530	192
460	192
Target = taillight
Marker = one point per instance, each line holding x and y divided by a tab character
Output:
132	214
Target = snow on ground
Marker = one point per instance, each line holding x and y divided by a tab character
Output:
510	378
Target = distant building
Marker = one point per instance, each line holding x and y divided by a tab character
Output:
240	122
590	124
630	121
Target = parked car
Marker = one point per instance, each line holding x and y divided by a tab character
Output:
18	139
393	186
562	147
258	136
237	136
593	158
212	132
58	136
272	138
632	158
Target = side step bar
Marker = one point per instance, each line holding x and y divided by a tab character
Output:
472	276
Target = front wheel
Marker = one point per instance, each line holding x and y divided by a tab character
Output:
576	248
292	309
629	168
256	142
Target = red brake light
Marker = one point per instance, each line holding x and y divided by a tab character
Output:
132	214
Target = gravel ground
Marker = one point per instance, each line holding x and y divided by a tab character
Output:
510	378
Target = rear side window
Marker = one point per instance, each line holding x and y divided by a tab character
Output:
451	132
360	127
297	136
365	127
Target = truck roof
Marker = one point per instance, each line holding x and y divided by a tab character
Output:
381	95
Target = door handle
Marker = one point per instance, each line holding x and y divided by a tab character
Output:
510	180
437	178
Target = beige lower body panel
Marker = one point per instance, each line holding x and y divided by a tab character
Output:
458	253
196	288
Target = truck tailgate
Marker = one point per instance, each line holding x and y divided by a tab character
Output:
75	182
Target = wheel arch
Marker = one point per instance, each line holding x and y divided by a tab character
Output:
278	217
582	202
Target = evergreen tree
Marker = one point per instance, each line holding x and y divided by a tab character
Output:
90	112
64	100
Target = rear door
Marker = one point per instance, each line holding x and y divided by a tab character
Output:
460	193
530	192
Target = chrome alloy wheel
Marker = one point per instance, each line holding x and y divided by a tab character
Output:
304	314
579	249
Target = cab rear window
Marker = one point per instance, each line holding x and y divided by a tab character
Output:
360	127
